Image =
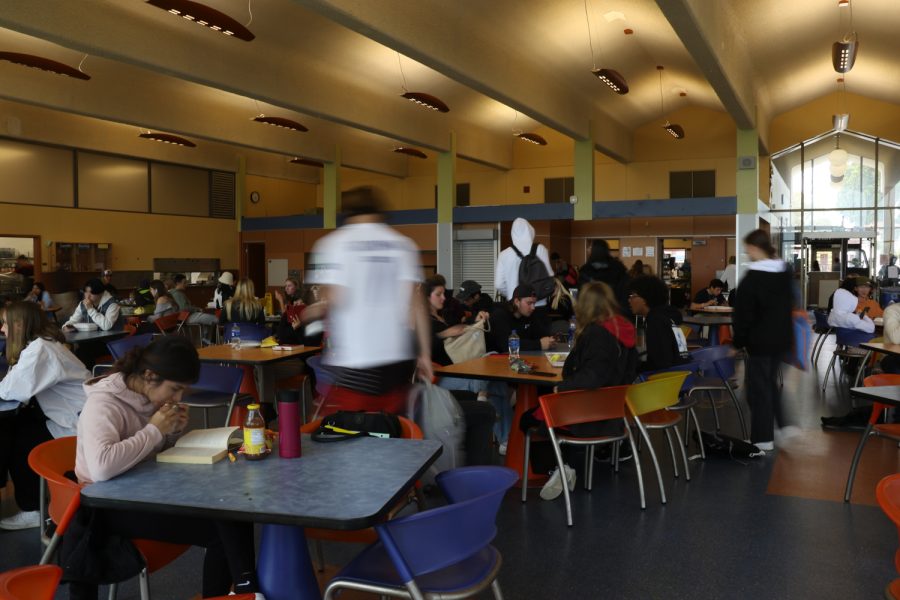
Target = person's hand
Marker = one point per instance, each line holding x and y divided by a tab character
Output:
482	316
170	418
279	295
87	303
546	342
424	369
296	323
68	328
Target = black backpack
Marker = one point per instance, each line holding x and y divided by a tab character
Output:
533	271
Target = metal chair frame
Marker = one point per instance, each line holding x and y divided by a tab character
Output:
873	429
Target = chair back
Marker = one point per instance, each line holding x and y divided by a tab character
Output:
705	357
30	583
118	348
167	323
408	429
434	539
851	337
583	406
324	380
465	483
656	394
821	317
249	331
887	492
880	379
225	379
51	460
725	367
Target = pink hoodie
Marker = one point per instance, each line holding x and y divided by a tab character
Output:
114	430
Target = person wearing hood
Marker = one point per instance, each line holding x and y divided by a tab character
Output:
506	275
844	314
225	289
601	266
603	355
648	296
763	326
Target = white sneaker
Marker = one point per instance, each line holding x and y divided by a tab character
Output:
501	450
786	435
553	488
23	520
765	446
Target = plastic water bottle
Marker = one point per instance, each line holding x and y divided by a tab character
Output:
514	345
572	326
236	336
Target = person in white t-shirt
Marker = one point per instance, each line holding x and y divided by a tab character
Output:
368	275
506	275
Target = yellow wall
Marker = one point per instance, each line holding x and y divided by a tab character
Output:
278	197
136	238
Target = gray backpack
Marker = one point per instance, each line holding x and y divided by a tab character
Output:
439	416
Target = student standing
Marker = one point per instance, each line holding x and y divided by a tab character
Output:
506	274
763	327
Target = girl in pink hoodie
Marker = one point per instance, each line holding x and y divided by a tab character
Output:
130	416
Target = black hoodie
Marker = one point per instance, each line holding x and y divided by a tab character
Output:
662	348
610	271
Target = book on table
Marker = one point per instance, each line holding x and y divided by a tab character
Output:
201	446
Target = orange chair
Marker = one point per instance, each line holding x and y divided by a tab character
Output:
887	430
565	409
168	324
888	494
408	430
40	583
51	460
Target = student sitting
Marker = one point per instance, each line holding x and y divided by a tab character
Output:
43	369
130	416
290	329
195	317
287	297
164	303
891	363
603	356
142	296
97	306
711	296
865	303
469	293
518	314
648	297
843	313
40	295
243	307
224	290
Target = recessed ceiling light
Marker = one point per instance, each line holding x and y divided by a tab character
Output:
44	64
206	16
426	100
410	151
309	162
532	138
168	138
280	122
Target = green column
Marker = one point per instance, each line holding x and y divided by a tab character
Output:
331	191
446	200
584	179
240	188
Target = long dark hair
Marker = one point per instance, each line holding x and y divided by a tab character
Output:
170	357
760	239
160	288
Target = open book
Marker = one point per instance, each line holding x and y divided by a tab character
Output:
201	446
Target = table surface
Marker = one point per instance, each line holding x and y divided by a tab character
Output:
341	485
726	310
495	367
882	347
224	353
708	319
78	337
886	394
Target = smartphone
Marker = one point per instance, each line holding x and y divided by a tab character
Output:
863	314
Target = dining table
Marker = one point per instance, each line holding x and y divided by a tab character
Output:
75	337
713	321
345	486
496	367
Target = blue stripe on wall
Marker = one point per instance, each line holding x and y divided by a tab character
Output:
674	207
288	222
486	214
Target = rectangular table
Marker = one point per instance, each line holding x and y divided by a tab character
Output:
98	335
344	485
709	320
495	367
881	347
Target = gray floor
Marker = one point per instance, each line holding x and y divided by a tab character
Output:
719	536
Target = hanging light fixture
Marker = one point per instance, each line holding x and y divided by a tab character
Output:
167	138
421	98
673	129
205	16
309	162
838	161
841	119
610	77
44	64
410	151
280	122
532	138
843	52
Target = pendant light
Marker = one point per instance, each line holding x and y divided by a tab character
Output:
843	51
838	159
673	129
421	98
610	77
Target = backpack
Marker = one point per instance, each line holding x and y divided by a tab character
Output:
719	444
440	417
533	271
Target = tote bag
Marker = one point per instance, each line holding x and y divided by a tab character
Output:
469	345
798	356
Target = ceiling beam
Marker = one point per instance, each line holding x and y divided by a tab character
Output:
440	35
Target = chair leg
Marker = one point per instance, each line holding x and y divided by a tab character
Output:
646	438
525	466
205	418
320	556
668	435
637	464
590	469
862	369
113	591
827	372
144	583
562	473
615	454
692	414
851	476
495	587
715	410
740	411
51	549
684	459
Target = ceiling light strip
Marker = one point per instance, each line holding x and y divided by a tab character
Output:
206	16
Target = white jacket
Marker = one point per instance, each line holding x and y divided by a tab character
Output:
892	323
104	320
506	273
842	314
48	371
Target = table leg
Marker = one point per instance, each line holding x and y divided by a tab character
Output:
714	335
526	397
284	567
248	386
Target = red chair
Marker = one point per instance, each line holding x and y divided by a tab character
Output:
40	583
51	460
168	324
888	494
886	430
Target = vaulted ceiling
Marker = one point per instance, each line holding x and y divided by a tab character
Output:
338	67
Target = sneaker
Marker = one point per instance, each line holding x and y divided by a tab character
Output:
553	488
625	453
765	446
23	520
501	450
786	435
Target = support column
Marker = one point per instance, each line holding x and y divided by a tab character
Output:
584	179
240	190
446	200
331	191
747	218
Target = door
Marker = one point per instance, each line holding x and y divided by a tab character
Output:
254	266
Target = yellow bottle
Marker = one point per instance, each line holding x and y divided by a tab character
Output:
254	434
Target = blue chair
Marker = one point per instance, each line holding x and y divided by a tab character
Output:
465	483
822	328
250	332
847	348
445	552
118	348
712	379
219	385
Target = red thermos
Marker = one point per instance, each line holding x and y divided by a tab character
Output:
288	424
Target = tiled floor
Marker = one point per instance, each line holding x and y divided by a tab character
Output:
774	527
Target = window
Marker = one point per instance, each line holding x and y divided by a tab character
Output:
558	189
692	184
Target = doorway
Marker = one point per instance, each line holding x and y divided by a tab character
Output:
254	265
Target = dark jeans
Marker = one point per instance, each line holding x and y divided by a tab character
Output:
230	556
764	397
19	434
